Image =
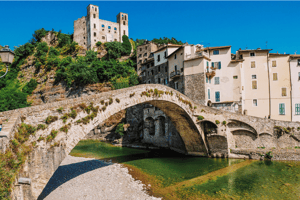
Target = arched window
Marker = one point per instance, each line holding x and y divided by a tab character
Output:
125	17
124	23
103	26
94	15
94	34
150	126
95	9
109	27
161	125
94	25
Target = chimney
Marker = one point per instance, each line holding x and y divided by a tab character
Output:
259	48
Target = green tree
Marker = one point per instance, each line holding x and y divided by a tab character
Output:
126	44
38	35
30	86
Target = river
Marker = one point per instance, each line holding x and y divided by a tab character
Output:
176	176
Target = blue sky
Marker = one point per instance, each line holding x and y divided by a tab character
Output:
239	24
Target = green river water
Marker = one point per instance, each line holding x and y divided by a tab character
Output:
176	176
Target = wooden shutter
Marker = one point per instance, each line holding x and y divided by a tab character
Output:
219	65
274	76
274	63
283	92
213	64
252	64
254	84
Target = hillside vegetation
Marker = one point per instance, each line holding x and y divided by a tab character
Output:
39	59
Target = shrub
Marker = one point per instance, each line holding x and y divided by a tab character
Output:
64	128
73	114
102	102
200	117
41	138
110	101
224	123
60	109
64	117
120	129
269	155
41	126
51	119
298	129
118	100
195	107
106	104
131	95
52	135
103	108
98	44
82	106
202	110
217	122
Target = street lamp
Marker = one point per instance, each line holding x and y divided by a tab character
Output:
7	57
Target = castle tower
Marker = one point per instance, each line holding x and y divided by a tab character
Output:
93	28
122	19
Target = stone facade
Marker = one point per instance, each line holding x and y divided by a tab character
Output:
144	54
90	29
195	87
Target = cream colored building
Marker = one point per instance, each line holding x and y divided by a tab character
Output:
255	82
280	87
295	82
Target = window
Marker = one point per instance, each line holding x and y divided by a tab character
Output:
124	23
254	76
124	33
254	85
217	80
252	64
146	48
115	28
298	62
140	49
209	80
152	73
103	37
252	54
206	80
94	34
159	68
273	63
216	65
149	82
125	17
145	54
94	25
165	54
207	64
208	93
166	81
283	92
175	68
181	69
275	78
95	9
176	85
83	37
281	109
116	40
217	96
216	52
103	26
254	102
175	56
298	76
148	73
158	80
94	15
166	69
297	109
235	77
109	27
158	58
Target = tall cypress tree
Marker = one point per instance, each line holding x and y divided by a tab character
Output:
126	44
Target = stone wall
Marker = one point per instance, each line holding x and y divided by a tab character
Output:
195	87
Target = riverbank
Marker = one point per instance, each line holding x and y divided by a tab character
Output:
96	180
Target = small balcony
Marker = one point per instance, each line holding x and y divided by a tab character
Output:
175	74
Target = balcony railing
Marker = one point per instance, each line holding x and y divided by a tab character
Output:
175	74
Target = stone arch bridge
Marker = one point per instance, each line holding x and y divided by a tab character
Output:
214	133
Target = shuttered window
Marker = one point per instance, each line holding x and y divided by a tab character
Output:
252	64
274	63
281	109
298	62
275	77
217	96
297	108
283	92
254	102
254	84
217	80
206	80
208	93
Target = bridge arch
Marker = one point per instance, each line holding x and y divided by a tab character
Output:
175	105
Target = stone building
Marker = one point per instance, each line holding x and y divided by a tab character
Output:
89	29
145	55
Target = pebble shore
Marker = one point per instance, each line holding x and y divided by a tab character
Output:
86	178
